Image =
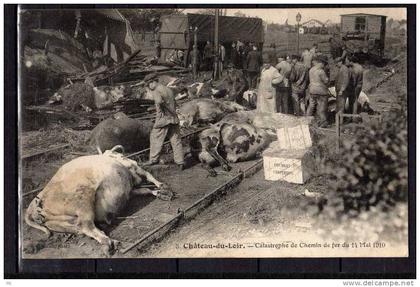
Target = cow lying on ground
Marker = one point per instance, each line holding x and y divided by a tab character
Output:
90	189
239	117
229	141
119	129
83	96
204	111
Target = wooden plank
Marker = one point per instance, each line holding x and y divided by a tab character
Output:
192	210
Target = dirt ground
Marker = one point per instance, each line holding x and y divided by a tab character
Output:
256	211
260	213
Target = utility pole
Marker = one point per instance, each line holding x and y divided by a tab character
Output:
298	18
195	54
216	44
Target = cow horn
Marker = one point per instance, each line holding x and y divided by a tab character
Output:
118	147
98	149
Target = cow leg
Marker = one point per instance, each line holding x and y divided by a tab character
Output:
89	229
85	213
62	226
148	176
142	191
225	165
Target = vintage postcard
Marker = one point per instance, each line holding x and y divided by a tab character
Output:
213	132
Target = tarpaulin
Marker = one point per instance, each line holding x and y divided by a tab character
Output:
174	32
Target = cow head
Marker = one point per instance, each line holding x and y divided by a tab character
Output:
209	140
185	120
117	92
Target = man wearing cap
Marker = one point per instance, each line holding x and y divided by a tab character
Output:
269	79
166	122
342	84
299	80
318	90
253	66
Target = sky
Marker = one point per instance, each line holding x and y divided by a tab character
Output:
279	15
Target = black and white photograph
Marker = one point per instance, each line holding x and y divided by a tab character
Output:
213	132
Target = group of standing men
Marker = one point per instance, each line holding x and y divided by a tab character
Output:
244	56
299	85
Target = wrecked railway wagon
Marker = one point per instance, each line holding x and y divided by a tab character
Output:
176	32
364	33
58	44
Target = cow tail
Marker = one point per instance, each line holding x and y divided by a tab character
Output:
29	219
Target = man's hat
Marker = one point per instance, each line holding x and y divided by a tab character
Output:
150	77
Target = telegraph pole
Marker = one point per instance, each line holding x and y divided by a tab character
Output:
298	18
216	44
195	54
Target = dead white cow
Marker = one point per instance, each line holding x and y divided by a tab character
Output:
88	189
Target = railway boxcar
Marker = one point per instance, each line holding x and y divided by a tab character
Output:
364	33
176	32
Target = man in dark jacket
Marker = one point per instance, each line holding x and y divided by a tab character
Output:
245	51
253	64
342	84
356	71
299	79
234	56
318	90
208	56
272	55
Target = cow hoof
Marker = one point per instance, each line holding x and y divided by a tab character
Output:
165	194
226	167
110	248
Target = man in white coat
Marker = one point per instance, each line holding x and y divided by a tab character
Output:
267	99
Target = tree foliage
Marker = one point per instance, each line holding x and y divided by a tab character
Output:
373	170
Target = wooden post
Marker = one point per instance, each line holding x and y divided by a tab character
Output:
194	58
337	128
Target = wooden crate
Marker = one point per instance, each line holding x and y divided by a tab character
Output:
294	138
294	166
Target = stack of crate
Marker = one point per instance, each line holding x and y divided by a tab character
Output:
288	158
